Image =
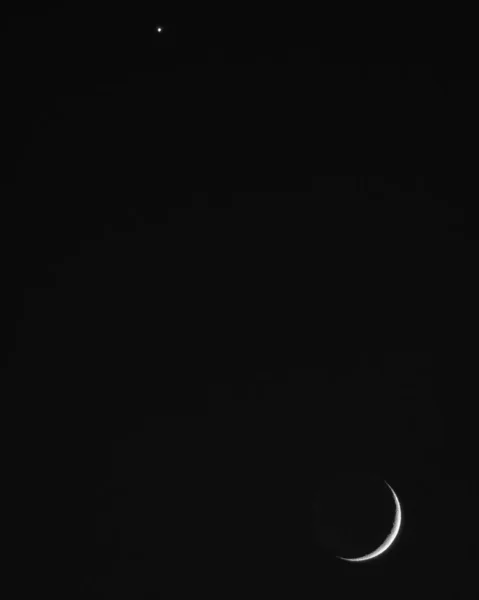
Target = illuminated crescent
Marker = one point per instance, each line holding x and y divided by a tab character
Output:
390	538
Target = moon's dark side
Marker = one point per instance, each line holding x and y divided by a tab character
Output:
353	515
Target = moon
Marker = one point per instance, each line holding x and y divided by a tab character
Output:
389	539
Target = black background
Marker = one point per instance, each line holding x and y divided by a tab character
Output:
205	321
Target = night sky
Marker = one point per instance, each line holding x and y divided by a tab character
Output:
206	327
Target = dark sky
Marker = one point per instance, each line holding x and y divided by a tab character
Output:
207	321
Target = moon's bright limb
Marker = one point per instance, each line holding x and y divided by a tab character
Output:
390	538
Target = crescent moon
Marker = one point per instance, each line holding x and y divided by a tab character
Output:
389	539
